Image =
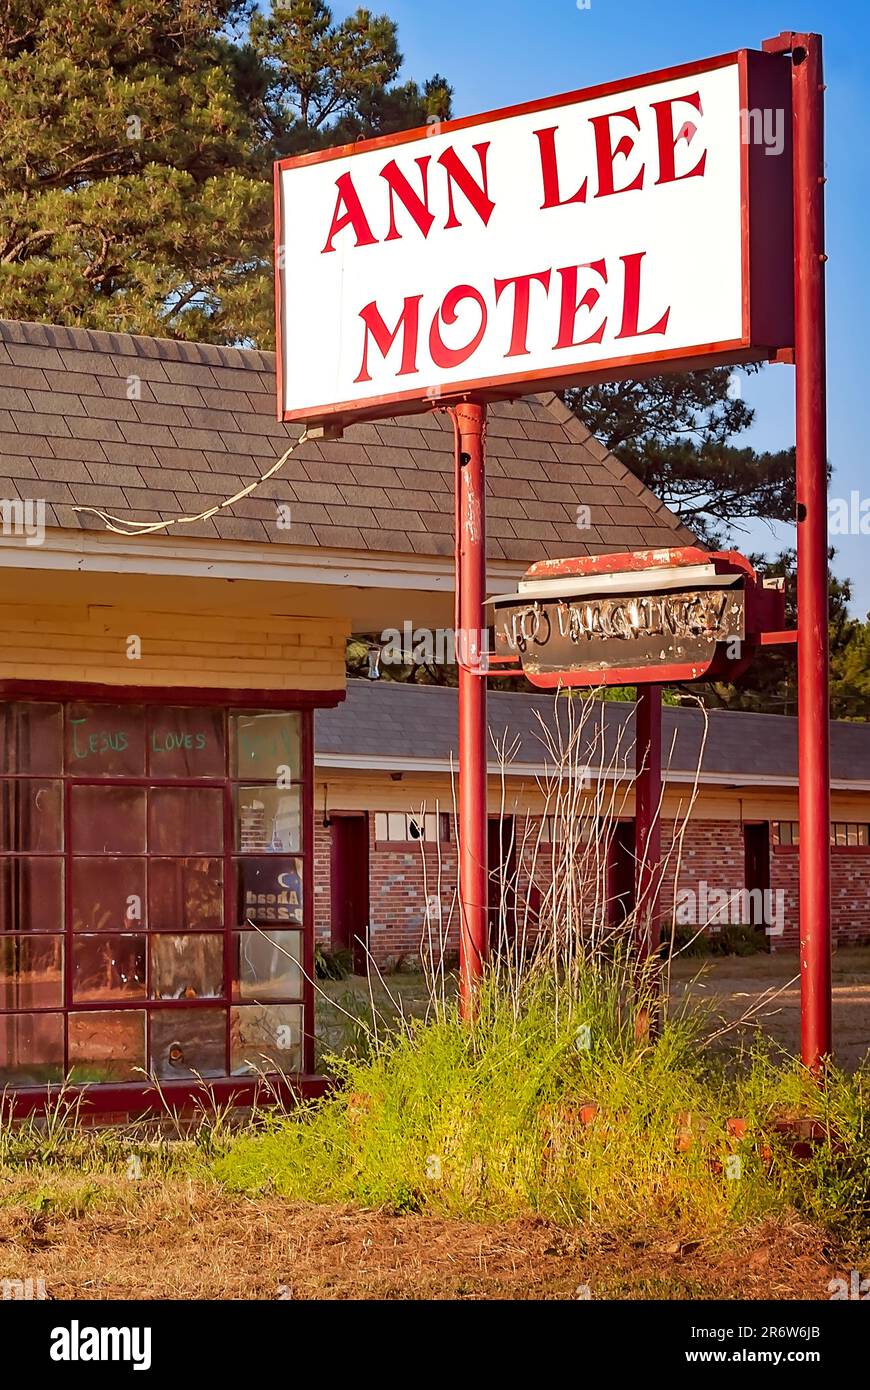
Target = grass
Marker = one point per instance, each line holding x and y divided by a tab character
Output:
553	1106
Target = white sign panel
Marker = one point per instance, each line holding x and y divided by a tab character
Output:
594	235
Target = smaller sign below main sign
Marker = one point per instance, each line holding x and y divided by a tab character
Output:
666	615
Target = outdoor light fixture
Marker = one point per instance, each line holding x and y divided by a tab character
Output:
642	617
374	663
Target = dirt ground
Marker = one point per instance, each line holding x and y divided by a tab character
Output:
763	990
180	1239
767	988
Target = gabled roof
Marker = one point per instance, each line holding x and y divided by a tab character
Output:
151	428
382	721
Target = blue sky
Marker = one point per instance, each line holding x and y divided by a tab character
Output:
495	54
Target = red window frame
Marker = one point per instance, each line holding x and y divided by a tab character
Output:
141	1098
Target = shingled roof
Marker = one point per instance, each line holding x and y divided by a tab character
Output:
379	717
150	428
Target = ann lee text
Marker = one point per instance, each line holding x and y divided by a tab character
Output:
584	303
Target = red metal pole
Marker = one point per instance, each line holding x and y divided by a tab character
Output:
471	580
812	550
807	89
647	822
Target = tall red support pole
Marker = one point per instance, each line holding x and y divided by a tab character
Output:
471	579
812	542
647	821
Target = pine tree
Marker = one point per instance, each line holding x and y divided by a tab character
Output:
136	149
676	434
770	684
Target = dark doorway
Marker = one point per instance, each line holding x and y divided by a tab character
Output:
349	887
756	858
501	853
621	873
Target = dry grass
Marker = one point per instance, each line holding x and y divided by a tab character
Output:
181	1238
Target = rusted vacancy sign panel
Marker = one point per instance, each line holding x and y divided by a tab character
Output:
640	617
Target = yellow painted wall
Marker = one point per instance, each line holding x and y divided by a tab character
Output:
187	637
375	790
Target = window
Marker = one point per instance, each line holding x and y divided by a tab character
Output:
400	827
554	829
551	830
152	872
844	834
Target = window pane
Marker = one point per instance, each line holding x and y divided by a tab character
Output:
185	894
108	820
108	894
261	744
31	894
107	1045
31	816
268	819
31	738
186	820
265	1037
187	967
839	833
397	826
184	1041
380	825
31	1049
187	743
108	967
105	740
31	972
430	826
267	965
269	890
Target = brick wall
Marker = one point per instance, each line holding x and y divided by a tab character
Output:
401	878
850	893
712	853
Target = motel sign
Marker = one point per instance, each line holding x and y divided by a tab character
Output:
594	234
628	229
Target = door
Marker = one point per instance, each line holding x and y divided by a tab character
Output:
621	874
756	856
349	885
501	854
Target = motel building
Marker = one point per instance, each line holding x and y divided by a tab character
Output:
191	795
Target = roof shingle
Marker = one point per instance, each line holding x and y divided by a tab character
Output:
147	414
380	718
